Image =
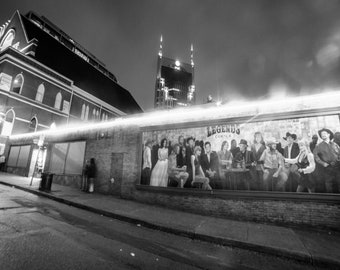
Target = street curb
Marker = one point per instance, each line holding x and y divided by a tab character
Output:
308	259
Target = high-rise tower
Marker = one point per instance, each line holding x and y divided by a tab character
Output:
174	82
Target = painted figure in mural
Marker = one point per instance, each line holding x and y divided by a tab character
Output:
159	174
154	152
85	178
182	157
245	159
147	164
170	145
225	158
189	153
91	173
279	148
197	172
327	154
176	173
291	151
306	166
181	141
257	149
273	162
210	166
313	143
233	147
337	138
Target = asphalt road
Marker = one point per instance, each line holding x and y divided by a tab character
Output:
38	233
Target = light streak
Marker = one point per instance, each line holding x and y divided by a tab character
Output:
200	113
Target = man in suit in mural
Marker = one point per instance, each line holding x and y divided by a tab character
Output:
291	151
327	155
210	166
154	151
245	159
189	152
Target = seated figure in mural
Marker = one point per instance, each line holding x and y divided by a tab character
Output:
257	149
197	172
291	151
245	159
273	161
327	155
210	166
306	166
177	175
225	159
147	163
159	174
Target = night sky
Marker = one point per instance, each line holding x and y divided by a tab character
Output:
249	49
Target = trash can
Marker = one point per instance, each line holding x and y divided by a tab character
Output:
46	181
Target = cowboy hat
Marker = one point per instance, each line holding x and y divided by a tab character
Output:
331	135
270	141
288	134
243	141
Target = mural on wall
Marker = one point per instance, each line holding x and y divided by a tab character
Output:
263	156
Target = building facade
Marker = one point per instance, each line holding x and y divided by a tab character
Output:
174	82
47	79
118	146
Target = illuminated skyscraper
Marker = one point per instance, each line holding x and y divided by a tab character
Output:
175	82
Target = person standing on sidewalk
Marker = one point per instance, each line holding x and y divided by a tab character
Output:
84	180
91	173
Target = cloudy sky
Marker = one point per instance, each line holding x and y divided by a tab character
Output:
249	49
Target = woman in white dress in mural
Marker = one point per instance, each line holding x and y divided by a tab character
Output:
159	175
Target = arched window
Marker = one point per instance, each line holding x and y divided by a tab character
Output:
103	116
87	112
40	93
97	114
83	108
8	40
18	83
57	102
8	123
33	124
94	113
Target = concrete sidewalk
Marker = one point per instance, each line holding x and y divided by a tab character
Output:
312	247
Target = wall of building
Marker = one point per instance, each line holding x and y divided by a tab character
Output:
117	152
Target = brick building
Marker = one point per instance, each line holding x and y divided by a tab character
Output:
117	147
46	78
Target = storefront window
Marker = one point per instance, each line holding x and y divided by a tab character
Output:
255	156
67	158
